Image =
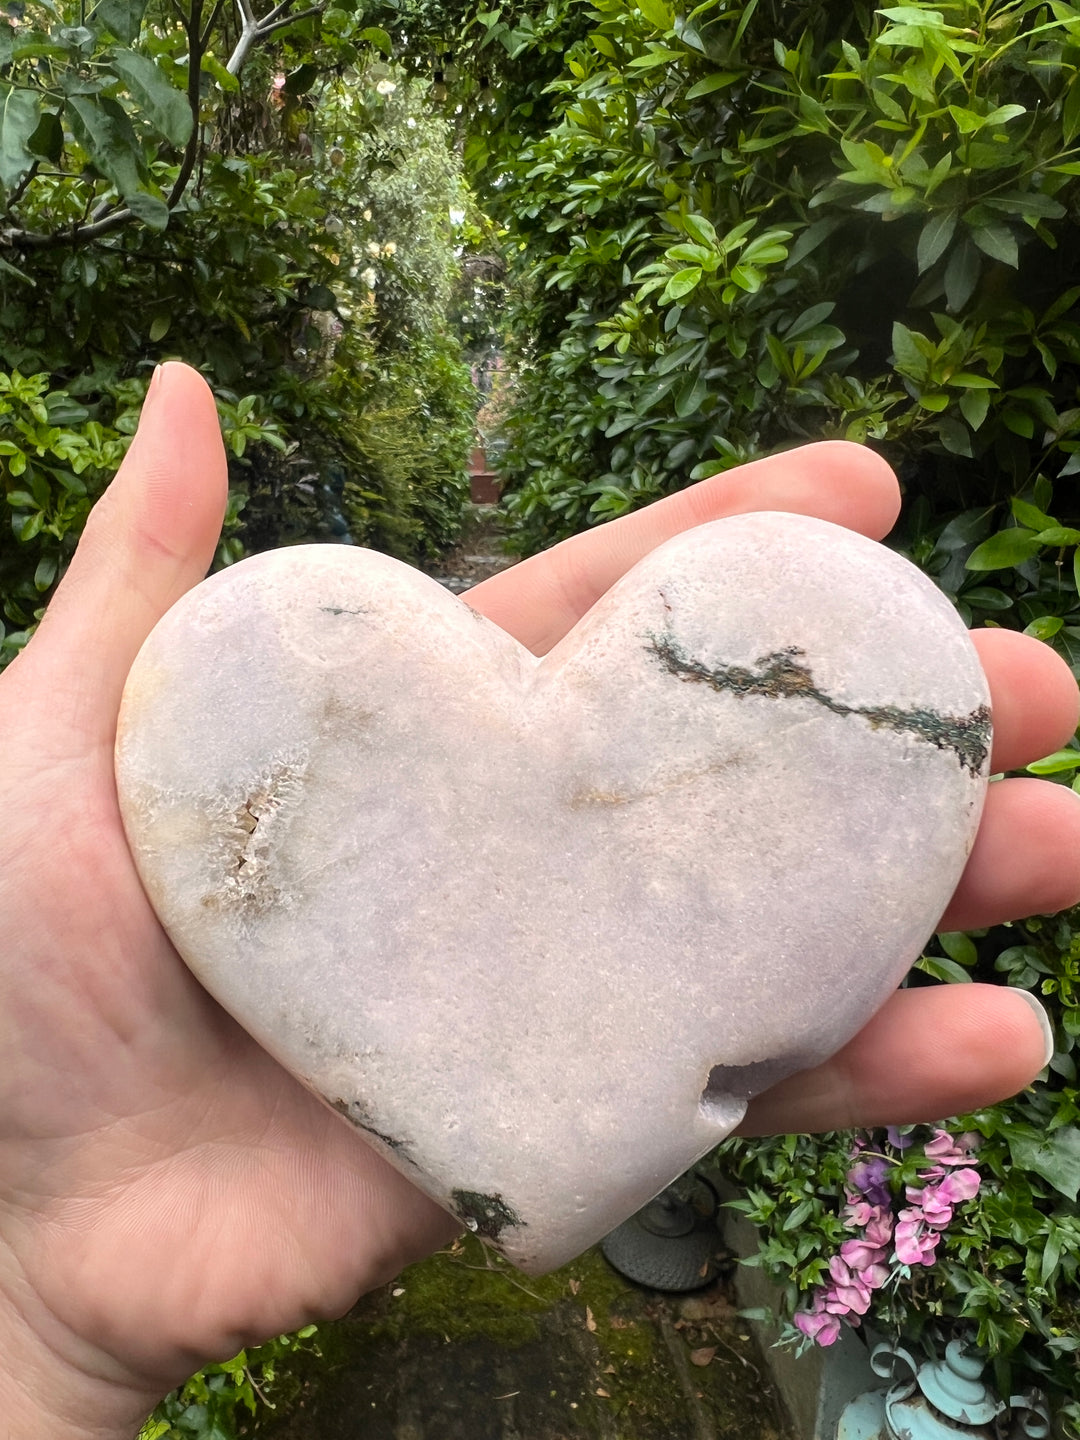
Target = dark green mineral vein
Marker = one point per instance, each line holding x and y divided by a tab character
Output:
785	676
485	1215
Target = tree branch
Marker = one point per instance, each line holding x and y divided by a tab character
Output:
105	219
265	29
253	30
193	26
204	38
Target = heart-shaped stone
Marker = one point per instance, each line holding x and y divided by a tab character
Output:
540	927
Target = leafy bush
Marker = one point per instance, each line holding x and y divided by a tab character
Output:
750	226
214	1403
274	208
58	452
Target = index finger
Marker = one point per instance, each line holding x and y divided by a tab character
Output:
544	597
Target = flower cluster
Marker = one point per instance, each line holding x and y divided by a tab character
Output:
864	1263
946	1183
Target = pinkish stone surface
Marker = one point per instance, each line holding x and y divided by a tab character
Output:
539	927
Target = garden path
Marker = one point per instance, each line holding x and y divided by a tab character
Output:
461	1347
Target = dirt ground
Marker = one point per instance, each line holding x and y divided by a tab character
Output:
462	1347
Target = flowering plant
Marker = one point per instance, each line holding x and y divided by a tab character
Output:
887	1241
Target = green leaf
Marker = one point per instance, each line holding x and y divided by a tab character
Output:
655	55
962	275
946	970
1060	536
300	80
20	112
906	353
377	36
122	18
973	406
987	597
691	397
657	13
1006	548
998	242
1056	763
958	946
970	381
1045	627
159	327
702	229
681	283
150	209
1030	515
1056	1157
45	573
801	1213
104	132
161	102
935	237
213	67
720	81
1003	114
48	139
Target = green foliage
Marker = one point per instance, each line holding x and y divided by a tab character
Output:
56	456
58	450
747	226
215	1402
279	216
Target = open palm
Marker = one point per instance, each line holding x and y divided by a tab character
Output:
167	1193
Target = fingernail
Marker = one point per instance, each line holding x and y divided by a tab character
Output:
1044	1022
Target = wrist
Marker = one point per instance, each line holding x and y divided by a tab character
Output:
54	1386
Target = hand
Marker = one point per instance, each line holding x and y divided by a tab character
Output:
167	1193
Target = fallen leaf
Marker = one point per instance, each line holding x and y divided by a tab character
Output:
590	1323
609	1370
605	1393
702	1356
575	1286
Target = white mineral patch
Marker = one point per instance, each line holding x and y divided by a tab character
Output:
539	927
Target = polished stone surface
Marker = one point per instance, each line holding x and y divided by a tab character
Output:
539	927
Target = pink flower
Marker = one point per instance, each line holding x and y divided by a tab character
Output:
848	1291
929	1204
858	1255
856	1213
946	1149
819	1326
879	1228
914	1243
960	1185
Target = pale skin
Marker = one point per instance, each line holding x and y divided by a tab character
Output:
167	1193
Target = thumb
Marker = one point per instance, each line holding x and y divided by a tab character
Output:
150	538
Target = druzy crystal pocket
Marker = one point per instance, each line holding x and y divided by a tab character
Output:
538	928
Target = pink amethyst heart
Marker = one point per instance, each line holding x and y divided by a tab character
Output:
539	927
